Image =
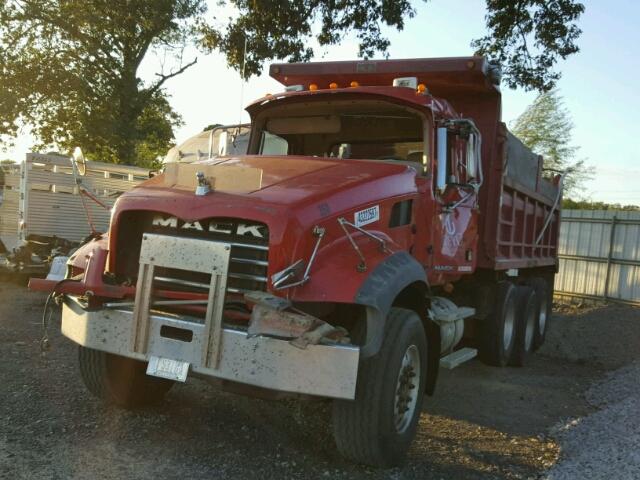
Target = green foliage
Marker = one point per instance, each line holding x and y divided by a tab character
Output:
588	205
282	30
527	37
69	69
546	128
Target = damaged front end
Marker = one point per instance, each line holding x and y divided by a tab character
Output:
276	317
250	337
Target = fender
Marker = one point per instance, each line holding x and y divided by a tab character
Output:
81	256
378	293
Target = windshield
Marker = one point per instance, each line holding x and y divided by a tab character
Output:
370	130
216	142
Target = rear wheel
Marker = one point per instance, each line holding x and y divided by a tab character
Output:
378	426
527	314
120	380
498	329
544	290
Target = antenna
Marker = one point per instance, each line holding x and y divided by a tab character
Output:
244	64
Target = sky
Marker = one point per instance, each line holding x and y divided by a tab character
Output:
598	84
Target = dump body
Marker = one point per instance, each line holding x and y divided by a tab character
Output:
522	219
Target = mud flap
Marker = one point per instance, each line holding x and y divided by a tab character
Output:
433	357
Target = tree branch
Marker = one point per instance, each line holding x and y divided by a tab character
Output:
164	78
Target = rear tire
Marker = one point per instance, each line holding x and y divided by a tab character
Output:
498	329
119	380
544	290
527	315
375	428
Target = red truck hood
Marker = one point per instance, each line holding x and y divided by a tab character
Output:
297	193
291	180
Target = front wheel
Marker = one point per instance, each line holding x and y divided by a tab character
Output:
120	380
378	426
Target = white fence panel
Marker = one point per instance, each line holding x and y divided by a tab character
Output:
600	255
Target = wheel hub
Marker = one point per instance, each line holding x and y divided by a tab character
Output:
407	388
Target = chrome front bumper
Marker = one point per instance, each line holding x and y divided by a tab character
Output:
323	370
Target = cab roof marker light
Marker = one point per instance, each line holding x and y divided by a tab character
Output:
333	85
408	82
313	87
354	84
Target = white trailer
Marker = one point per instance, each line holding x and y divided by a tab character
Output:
40	197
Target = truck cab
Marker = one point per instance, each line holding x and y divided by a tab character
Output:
383	223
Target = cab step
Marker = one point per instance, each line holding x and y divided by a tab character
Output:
458	357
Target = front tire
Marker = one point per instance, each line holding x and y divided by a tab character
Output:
378	427
120	380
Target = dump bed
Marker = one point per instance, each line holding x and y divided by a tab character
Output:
520	209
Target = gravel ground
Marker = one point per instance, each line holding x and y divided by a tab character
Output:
483	423
605	444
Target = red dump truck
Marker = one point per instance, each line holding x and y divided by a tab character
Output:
383	224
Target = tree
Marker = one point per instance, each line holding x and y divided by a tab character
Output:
70	70
546	128
528	36
281	29
588	205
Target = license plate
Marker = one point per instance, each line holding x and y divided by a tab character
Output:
168	368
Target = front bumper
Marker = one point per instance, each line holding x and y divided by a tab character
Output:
322	370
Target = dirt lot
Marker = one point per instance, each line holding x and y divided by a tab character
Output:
483	422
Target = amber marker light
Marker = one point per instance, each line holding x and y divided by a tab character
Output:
333	85
313	87
422	88
354	84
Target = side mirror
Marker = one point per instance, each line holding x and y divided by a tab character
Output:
441	180
472	168
79	162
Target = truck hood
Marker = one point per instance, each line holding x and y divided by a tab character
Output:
291	180
297	193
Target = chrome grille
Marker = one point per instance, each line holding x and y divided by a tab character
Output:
249	250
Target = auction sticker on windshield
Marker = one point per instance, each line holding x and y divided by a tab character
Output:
367	216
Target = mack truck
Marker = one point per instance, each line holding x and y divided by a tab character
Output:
383	224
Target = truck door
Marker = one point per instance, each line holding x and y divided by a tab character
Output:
457	181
